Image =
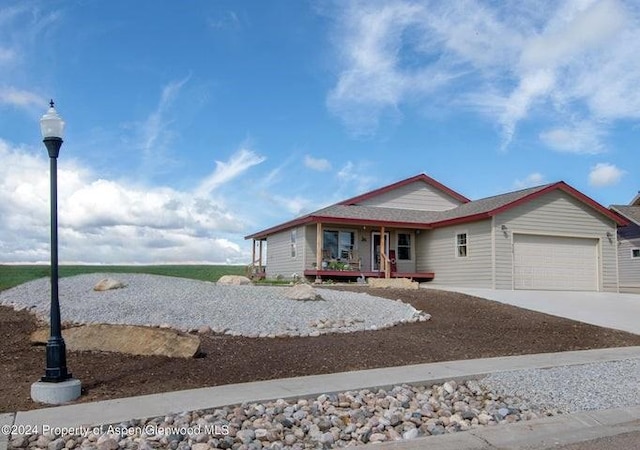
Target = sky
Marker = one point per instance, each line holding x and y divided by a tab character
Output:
190	125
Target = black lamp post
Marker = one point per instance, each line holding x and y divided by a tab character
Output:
52	127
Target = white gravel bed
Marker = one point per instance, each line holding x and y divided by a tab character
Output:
602	385
186	304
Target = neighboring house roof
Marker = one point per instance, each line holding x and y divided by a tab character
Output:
348	213
636	200
630	212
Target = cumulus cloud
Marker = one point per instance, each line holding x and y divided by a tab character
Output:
533	179
605	174
108	221
505	60
583	138
318	164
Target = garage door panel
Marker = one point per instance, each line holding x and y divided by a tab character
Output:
555	262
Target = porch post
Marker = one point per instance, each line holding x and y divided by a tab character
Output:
260	255
383	255
253	256
318	250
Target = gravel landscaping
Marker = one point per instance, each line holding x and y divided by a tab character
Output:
251	311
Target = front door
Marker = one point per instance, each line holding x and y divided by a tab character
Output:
375	249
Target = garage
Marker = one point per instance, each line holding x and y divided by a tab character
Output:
555	263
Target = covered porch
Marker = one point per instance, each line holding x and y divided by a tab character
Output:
340	250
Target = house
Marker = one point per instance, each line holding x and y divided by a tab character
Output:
545	237
629	246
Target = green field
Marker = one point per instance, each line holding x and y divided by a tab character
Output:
13	275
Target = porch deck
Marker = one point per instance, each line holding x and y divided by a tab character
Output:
349	274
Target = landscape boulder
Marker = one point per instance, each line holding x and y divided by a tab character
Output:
130	339
108	283
233	280
400	283
302	292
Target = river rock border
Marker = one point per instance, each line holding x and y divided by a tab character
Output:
328	421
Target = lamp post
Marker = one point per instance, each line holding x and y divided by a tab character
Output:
56	386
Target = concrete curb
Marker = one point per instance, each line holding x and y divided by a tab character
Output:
119	410
5	419
543	433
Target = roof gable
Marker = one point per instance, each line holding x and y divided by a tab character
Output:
350	212
490	206
421	178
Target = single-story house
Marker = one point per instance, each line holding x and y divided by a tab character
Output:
545	237
629	246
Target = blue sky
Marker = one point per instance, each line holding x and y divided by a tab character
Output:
193	124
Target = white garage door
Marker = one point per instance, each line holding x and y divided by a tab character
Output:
555	262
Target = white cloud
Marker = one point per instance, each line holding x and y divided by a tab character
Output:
18	97
155	131
111	221
533	179
583	138
239	162
605	174
511	61
318	164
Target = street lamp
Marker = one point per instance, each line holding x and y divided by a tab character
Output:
56	386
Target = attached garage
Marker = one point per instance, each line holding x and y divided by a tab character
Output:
555	262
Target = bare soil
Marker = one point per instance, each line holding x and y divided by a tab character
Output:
461	327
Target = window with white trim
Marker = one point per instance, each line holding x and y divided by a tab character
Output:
293	238
462	245
337	244
404	246
635	252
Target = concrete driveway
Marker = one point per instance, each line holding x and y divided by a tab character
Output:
606	309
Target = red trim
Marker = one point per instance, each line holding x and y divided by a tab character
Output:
340	220
464	219
561	185
421	177
624	217
367	274
571	191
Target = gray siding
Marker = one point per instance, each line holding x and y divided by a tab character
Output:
629	268
559	214
416	196
437	253
279	259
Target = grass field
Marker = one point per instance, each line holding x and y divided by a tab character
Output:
13	275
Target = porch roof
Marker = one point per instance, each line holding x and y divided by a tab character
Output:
407	218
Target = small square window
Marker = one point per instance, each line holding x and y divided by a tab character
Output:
461	245
635	252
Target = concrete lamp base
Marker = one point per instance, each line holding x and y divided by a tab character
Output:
56	393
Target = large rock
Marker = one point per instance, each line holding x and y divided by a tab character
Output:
108	283
400	283
302	292
133	340
233	280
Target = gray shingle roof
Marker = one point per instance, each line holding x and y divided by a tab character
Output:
630	212
472	208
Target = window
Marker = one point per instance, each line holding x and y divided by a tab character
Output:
404	246
337	244
293	237
635	252
461	245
